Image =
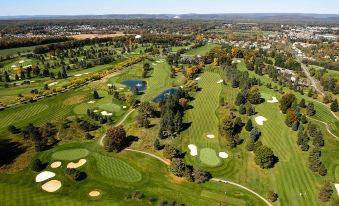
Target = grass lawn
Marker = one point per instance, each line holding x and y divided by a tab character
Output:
204	121
70	154
202	50
156	181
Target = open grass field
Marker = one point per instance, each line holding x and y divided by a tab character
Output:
20	189
202	50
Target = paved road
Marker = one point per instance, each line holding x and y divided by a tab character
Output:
314	82
101	142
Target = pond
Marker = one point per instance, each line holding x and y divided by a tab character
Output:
164	94
141	85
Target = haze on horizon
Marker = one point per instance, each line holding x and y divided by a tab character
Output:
100	7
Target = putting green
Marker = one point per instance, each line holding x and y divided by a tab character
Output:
70	154
114	168
110	107
209	157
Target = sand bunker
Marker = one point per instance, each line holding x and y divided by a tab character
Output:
197	78
154	64
45	175
220	81
193	148
22	61
337	188
94	193
223	155
124	107
260	120
138	36
78	75
13	66
51	186
52	84
211	136
273	100
91	102
106	113
56	164
76	165
96	111
109	85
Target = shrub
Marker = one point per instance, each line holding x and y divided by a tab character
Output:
37	165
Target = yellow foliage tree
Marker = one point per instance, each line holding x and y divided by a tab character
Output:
216	61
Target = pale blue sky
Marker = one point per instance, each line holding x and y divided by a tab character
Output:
75	7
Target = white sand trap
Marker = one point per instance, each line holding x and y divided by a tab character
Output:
109	85
51	186
211	136
194	150
181	87
158	61
121	88
52	84
45	175
220	81
95	111
274	100
13	66
22	61
91	102
337	188
86	73
154	64
223	155
56	164
78	75
260	120
238	61
124	107
94	193
196	79
77	164
106	113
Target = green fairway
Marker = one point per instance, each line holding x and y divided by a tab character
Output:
209	157
110	107
204	119
71	154
202	50
116	169
159	81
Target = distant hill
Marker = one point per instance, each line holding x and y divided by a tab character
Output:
234	17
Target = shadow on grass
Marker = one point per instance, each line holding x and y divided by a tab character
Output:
9	151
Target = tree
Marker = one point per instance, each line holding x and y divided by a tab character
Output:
177	122
170	152
264	157
95	94
242	109
37	165
142	121
322	170
183	103
240	99
290	118
201	176
286	102
334	106
254	96
249	125
156	144
46	87
310	109
255	134
325	192
12	129
250	145
272	196
295	125
115	139
177	167
302	103
147	109
135	90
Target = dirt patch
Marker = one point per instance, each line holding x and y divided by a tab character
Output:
75	100
94	193
177	180
51	186
91	36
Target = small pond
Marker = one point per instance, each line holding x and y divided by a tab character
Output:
164	94
141	85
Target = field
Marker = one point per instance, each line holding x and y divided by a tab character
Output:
202	50
91	36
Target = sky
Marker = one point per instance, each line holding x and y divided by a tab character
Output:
78	7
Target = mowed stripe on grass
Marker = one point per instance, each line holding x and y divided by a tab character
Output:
203	115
